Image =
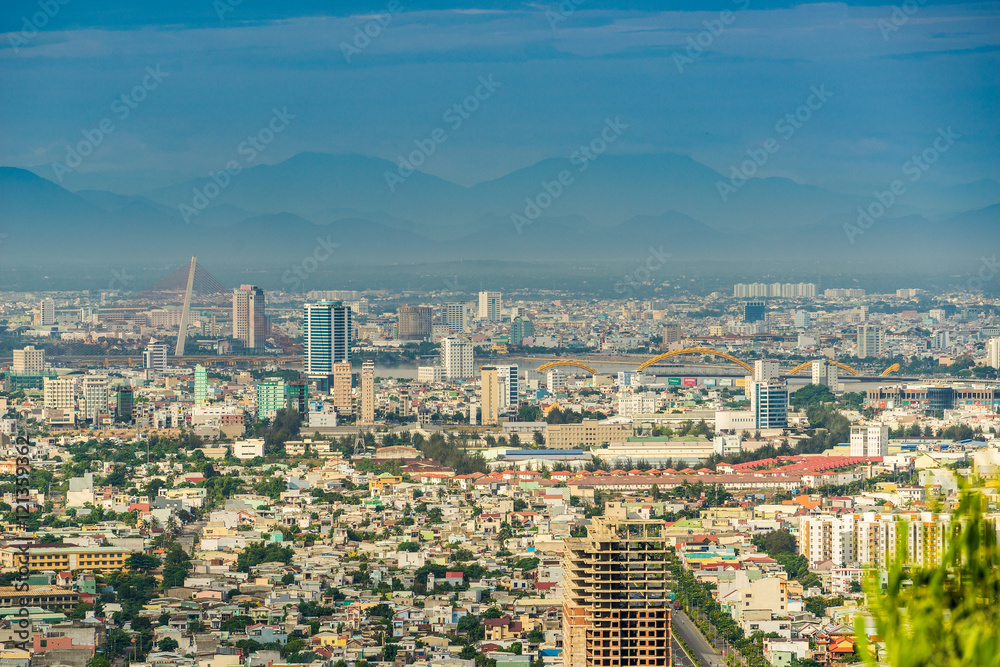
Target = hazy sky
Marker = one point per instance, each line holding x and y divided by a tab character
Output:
889	80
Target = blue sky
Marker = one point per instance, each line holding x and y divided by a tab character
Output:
560	76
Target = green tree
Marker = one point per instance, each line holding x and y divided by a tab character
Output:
176	566
237	623
167	644
256	553
140	562
811	394
946	615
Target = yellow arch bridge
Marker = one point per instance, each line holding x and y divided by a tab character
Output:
695	350
704	351
806	364
658	358
566	362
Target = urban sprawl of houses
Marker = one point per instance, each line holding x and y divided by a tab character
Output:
374	478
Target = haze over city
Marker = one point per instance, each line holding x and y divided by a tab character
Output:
734	131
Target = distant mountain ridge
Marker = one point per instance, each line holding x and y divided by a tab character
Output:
606	210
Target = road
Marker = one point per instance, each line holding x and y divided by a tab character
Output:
689	632
680	658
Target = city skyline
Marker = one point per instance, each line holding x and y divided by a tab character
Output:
500	333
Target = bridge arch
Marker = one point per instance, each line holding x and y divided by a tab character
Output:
695	350
566	362
804	364
892	369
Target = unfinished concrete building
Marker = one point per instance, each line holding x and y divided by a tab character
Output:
616	611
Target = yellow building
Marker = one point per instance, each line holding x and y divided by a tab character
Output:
64	558
379	484
589	433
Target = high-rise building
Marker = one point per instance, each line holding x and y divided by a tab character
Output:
769	403
615	607
869	440
123	404
786	290
342	389
489	306
840	293
250	325
270	398
671	334
801	319
871	341
826	373
555	380
59	393
297	396
491	395
200	385
29	361
47	312
456	317
754	311
327	327
993	352
826	538
95	396
765	369
155	356
414	322
521	328
368	392
456	358
509	387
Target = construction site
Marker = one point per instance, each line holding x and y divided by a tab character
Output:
616	611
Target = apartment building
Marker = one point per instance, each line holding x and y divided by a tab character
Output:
870	440
588	433
874	539
826	538
46	597
64	557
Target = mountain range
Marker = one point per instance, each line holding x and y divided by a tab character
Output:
609	210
